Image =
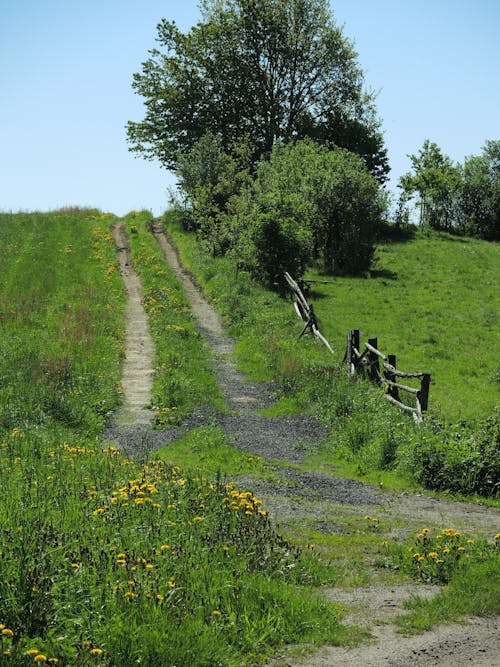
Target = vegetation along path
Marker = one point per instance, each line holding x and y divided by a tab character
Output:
293	496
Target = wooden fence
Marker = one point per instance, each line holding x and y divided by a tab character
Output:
378	367
381	369
305	311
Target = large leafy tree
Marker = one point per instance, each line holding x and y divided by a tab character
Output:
258	71
436	182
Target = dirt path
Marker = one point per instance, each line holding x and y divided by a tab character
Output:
314	496
137	378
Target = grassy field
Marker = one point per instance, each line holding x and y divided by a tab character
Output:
457	448
103	560
434	301
108	561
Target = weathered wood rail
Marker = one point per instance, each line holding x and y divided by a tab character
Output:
305	311
382	370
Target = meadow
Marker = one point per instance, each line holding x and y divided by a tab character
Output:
105	560
433	300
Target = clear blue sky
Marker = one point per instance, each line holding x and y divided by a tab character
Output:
66	68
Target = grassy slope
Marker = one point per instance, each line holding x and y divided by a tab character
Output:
434	301
104	561
268	346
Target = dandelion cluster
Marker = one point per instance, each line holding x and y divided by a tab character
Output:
434	556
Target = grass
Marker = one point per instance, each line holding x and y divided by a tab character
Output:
104	560
434	301
184	379
438	278
473	591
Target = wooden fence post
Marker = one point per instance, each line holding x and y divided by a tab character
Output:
423	395
351	354
373	362
392	391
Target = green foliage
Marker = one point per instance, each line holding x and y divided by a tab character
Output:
256	71
308	202
436	558
436	181
473	590
455	198
480	197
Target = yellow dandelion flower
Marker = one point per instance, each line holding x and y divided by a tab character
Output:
7	632
149	566
497	536
32	651
164	547
433	554
198	518
96	651
460	548
216	612
171	582
40	658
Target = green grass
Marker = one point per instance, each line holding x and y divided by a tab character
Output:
103	560
474	591
184	377
61	331
416	283
434	301
469	568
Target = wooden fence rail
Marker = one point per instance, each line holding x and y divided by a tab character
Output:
382	370
305	311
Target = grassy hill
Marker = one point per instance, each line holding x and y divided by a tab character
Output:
434	301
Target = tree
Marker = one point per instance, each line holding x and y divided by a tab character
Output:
437	183
480	197
307	202
260	70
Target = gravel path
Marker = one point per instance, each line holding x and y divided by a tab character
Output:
294	494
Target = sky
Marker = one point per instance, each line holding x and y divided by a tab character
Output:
66	69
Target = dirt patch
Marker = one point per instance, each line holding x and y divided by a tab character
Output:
291	494
137	374
475	643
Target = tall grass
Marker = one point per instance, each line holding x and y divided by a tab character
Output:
104	561
461	456
61	330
